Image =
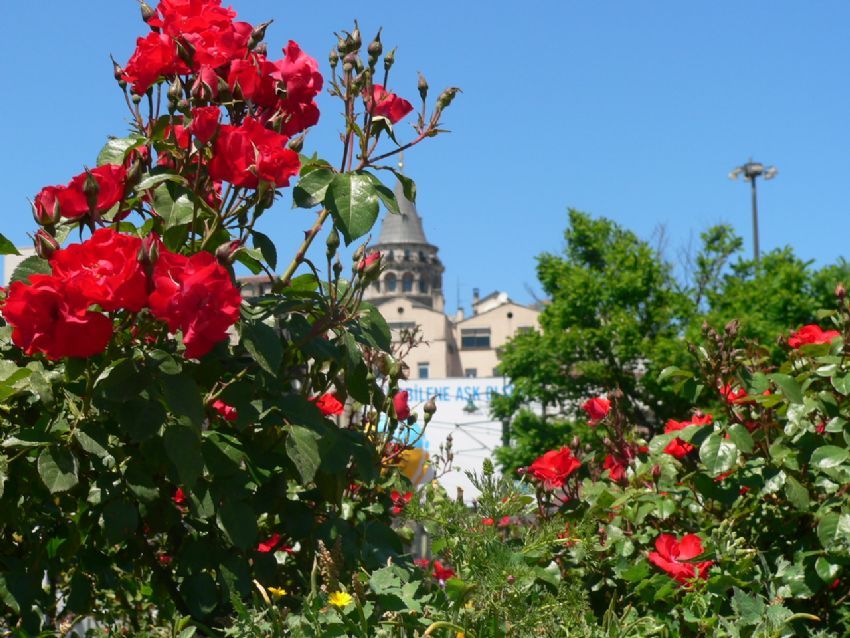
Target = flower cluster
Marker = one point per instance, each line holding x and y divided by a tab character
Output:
62	314
679	448
92	192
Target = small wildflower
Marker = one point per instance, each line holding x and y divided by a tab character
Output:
340	599
277	592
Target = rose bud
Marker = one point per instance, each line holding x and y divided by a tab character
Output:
358	254
296	143
333	58
332	242
149	251
370	264
430	406
423	87
91	189
261	49
148	12
258	34
45	244
375	49
355	36
226	253
389	60
46	209
656	471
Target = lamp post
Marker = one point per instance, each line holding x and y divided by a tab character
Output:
751	170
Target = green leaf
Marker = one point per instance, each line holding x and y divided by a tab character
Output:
408	186
789	386
200	593
826	570
7	247
385	581
353	201
33	265
58	468
674	372
149	181
385	194
842	384
750	609
302	447
741	437
266	247
264	344
834	528
120	520
311	189
115	150
829	456
183	447
239	522
797	495
183	397
175	204
718	454
375	327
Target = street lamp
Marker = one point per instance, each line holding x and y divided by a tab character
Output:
751	170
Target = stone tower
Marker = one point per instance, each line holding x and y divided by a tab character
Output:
412	269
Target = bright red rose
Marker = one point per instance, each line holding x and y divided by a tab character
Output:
155	56
402	410
399	501
196	295
299	72
245	155
388	105
488	522
205	122
104	270
812	334
48	317
670	553
597	409
72	200
268	545
677	447
328	404
732	395
616	467
225	411
179	498
298	116
253	78
442	573
554	467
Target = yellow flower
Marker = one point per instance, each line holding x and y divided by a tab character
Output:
460	634
277	592
339	599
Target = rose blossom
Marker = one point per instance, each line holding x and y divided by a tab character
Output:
225	411
204	122
328	404
597	409
155	56
402	410
670	553
677	447
388	105
811	334
245	155
72	200
554	467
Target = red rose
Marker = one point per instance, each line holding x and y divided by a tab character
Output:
388	105
328	404
298	116
489	522
616	467
46	205
48	317
597	409
368	260
671	552
72	200
554	467
204	122
179	497
505	521
811	334
196	295
677	447
399	501
225	411
155	56
422	563
245	155
442	573
732	395
402	410
299	72
268	545
253	78
104	270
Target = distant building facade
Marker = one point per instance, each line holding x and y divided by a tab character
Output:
409	293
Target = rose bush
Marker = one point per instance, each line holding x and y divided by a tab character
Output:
171	447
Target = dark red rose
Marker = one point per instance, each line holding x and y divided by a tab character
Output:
110	180
195	295
155	56
245	155
554	467
204	122
597	409
179	498
402	410
299	72
677	447
388	105
328	404
104	270
225	411
671	552
399	501
47	317
812	334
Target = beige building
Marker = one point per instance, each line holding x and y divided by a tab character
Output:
409	293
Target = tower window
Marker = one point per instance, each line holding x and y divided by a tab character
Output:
390	282
423	285
422	256
406	255
407	282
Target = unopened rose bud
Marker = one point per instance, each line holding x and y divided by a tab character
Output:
355	36
261	49
45	210
348	62
45	244
389	60
423	87
186	52
446	97
258	34
656	471
148	12
137	99
91	189
430	406
201	92
223	93
337	267
358	254
840	291
342	45
511	579
384	363
149	252
333	58
118	73
576	442
226	253
296	144
370	264
332	242
375	49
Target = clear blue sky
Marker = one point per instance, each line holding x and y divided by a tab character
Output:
632	110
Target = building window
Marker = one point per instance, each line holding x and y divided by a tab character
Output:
471	338
422	369
401	325
470	373
407	282
422	256
423	285
390	282
496	372
524	330
390	256
406	255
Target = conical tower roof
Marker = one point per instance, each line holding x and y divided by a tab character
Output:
404	228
